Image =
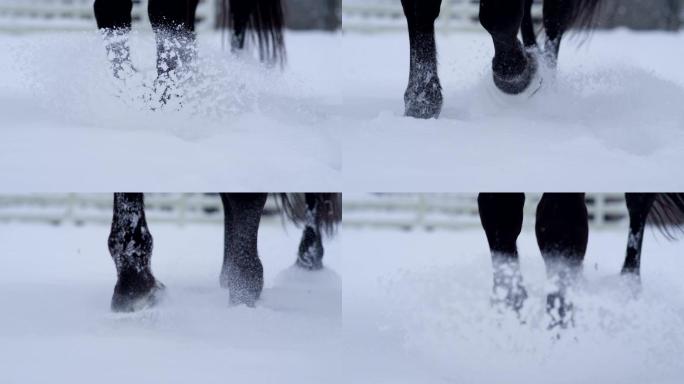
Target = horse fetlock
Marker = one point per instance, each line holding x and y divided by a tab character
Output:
310	254
514	71
245	283
508	289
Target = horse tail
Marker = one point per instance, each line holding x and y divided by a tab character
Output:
327	212
583	13
667	214
261	20
529	36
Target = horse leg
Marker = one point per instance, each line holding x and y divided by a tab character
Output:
557	16
513	67
310	254
130	244
639	206
501	215
562	230
423	96
240	13
173	22
114	21
242	272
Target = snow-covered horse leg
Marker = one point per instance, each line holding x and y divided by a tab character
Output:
310	253
114	21
562	229
242	272
501	215
173	22
560	15
639	206
130	244
423	96
513	66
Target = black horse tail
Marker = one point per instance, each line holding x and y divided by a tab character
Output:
583	13
322	210
529	36
262	20
667	214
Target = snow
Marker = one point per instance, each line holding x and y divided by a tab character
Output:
611	119
416	310
69	124
56	283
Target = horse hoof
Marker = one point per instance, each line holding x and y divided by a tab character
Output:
136	301
509	297
246	297
423	101
561	311
517	83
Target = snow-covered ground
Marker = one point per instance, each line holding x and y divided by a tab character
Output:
611	120
416	310
56	327
67	125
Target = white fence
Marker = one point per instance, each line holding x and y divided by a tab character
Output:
97	208
454	211
378	15
40	15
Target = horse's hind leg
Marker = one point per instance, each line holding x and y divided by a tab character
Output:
557	14
130	244
502	216
114	20
639	206
173	22
562	230
513	67
310	254
242	272
423	96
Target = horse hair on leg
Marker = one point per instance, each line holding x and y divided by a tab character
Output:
242	272
130	245
562	229
513	67
501	215
423	96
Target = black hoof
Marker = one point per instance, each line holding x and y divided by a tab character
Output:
423	100
126	300
515	79
310	254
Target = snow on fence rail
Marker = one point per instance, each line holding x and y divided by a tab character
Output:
97	208
38	15
377	15
454	211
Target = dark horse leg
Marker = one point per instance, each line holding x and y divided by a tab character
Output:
557	19
423	96
513	66
310	254
130	244
562	230
114	20
502	217
242	272
173	22
639	206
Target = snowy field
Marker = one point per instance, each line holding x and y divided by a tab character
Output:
416	310
67	125
612	119
56	327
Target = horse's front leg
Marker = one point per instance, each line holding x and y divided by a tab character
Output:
639	206
130	244
310	254
513	67
114	21
242	272
173	22
562	230
423	96
501	215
